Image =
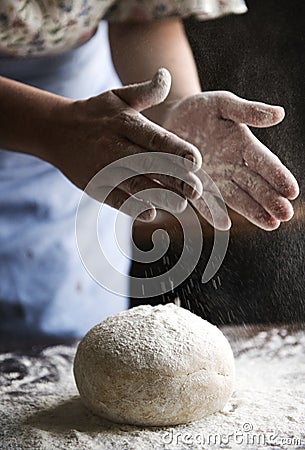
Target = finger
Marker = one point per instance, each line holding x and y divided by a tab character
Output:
255	114
261	191
213	210
190	187
144	95
165	167
122	173
261	160
149	190
244	204
124	202
151	137
211	205
170	196
152	164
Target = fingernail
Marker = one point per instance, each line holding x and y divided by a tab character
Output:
190	158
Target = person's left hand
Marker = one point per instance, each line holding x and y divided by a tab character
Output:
251	179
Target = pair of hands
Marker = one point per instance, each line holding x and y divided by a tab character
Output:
208	130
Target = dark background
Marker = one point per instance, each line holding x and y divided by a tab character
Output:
258	56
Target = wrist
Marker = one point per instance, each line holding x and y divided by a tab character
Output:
32	120
61	130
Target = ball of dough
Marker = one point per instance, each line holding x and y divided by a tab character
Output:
154	366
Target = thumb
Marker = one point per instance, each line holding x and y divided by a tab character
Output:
144	95
255	114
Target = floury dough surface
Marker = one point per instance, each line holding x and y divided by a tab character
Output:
40	407
154	366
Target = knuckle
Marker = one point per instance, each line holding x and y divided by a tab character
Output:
225	98
153	140
124	119
108	96
159	141
226	95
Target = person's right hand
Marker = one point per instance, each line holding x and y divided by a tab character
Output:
110	127
251	178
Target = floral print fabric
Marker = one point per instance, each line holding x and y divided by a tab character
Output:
145	10
39	27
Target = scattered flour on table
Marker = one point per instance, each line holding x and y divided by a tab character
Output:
40	408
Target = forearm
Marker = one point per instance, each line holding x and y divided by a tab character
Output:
138	50
30	119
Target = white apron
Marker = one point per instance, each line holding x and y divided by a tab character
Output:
44	288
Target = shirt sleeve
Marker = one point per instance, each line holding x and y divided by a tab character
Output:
148	10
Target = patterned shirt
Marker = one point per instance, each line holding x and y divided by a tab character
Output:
40	27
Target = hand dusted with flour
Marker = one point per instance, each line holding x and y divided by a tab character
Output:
115	129
251	179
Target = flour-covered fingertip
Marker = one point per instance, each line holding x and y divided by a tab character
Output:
285	210
221	222
279	113
293	191
271	224
162	75
162	80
